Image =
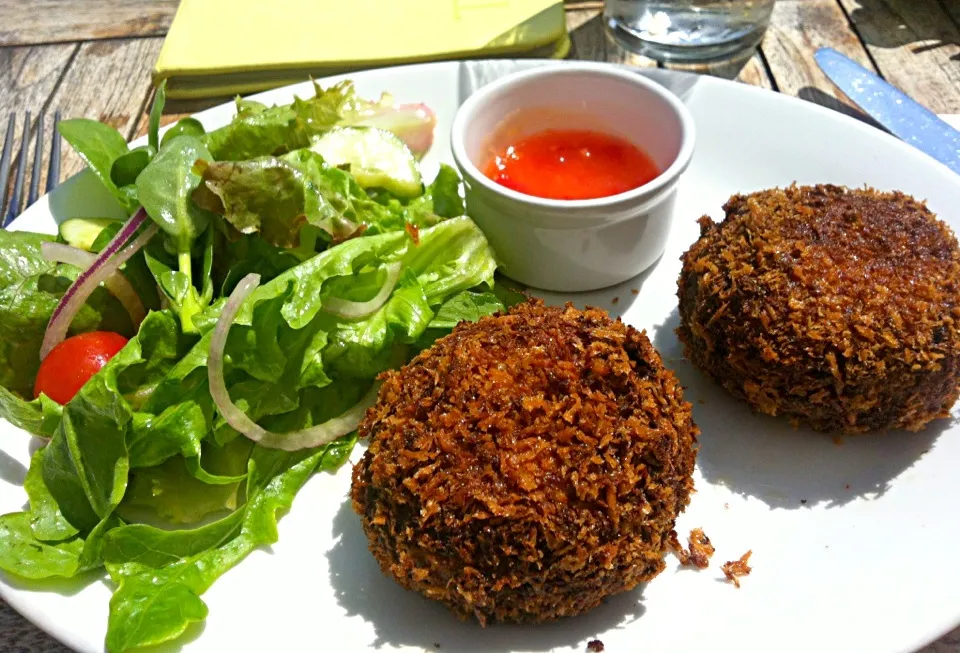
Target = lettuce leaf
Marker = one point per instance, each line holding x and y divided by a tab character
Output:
142	442
161	575
100	145
278	196
261	131
30	289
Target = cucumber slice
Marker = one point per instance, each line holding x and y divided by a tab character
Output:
377	159
83	232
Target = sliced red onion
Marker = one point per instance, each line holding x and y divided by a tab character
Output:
353	310
117	284
314	436
412	123
107	262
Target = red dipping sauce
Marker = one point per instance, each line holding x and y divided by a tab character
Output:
571	164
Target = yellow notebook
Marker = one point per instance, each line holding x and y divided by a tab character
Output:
228	47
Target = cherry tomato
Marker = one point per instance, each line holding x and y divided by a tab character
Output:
71	363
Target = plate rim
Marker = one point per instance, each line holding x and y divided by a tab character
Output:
46	621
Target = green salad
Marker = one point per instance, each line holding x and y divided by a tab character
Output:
269	271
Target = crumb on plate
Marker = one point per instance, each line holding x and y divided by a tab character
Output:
735	569
699	552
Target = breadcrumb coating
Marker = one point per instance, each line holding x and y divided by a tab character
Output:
833	307
527	465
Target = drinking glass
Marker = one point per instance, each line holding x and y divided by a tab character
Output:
688	31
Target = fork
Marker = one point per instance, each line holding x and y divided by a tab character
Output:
12	210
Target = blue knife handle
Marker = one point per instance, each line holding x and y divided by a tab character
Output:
905	118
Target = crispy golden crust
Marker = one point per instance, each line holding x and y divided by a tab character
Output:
837	308
734	570
526	466
699	553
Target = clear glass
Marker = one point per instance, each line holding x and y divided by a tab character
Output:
688	31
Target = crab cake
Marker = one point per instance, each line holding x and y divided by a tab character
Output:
833	307
527	465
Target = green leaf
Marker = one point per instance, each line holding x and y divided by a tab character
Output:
177	430
106	235
363	348
155	548
206	269
261	131
451	257
164	189
466	307
160	578
153	131
250	254
46	520
30	289
22	554
127	167
173	284
264	195
442	198
86	464
172	493
277	198
39	417
99	145
183	127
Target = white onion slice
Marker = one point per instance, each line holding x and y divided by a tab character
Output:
107	262
353	310
314	436
116	283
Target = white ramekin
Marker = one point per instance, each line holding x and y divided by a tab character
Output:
573	245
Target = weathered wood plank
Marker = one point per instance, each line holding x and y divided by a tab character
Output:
586	34
916	46
28	76
49	21
797	30
572	5
952	7
747	68
108	81
755	73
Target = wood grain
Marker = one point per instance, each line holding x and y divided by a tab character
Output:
916	47
49	21
28	76
108	81
798	29
952	7
755	73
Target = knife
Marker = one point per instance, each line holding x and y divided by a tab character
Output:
904	117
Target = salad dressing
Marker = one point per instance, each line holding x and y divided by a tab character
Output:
571	164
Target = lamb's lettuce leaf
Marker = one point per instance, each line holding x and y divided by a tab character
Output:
99	145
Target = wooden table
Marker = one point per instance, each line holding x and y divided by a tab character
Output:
93	58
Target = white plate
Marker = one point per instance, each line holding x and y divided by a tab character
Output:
853	545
